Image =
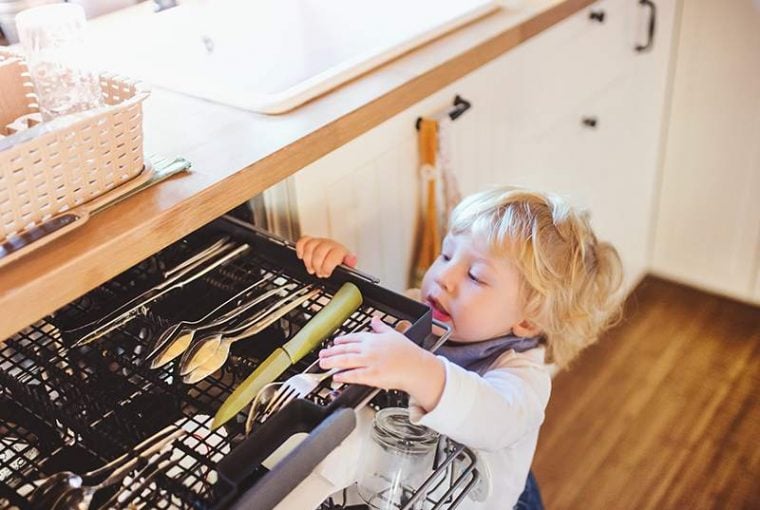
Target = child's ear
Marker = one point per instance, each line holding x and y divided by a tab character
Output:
526	329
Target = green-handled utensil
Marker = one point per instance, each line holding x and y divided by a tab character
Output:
345	302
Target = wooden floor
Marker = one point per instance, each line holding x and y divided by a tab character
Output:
663	413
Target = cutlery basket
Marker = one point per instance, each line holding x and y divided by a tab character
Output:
47	168
76	408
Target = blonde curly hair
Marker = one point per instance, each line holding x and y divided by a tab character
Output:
569	279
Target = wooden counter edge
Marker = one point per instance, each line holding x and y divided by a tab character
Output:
43	294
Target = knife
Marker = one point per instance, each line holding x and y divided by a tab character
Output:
345	302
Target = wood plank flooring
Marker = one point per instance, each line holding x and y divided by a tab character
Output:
662	413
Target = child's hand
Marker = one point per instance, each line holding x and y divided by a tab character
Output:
321	256
386	359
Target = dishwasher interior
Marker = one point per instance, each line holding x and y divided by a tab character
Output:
75	407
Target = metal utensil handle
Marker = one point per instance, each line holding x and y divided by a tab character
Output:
179	326
233	299
94	335
113	502
129	305
270	319
123	499
212	250
235	312
245	324
133	451
124	469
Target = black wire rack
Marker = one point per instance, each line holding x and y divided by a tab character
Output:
64	408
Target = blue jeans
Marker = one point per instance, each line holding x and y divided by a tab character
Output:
530	499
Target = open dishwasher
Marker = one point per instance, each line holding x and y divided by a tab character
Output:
69	405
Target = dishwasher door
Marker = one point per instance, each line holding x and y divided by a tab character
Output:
64	407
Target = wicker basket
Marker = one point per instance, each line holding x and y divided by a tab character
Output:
69	166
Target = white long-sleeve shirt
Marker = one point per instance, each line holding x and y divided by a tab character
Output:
497	415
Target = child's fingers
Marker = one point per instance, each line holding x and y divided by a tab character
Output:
300	244
349	338
362	376
318	257
353	348
333	258
378	326
307	253
350	260
342	361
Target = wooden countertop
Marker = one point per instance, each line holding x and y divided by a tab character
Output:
237	154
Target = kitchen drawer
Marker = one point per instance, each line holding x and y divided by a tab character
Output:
564	66
67	407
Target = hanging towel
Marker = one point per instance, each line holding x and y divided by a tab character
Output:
440	193
450	192
429	236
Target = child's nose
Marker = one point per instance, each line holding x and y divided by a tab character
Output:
446	278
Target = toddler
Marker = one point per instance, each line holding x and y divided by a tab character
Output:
524	284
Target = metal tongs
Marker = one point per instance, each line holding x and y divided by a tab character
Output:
177	278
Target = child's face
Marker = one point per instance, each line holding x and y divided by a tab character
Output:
473	291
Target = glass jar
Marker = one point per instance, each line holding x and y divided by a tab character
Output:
53	38
399	459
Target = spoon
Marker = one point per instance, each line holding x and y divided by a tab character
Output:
263	398
176	338
49	489
201	352
79	498
219	356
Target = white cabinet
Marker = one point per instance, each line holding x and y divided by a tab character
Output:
708	228
525	128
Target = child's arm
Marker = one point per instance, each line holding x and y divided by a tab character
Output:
492	411
321	256
486	412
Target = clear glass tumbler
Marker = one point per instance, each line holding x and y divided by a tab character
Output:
399	459
53	38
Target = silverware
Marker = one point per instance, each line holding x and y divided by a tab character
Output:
175	339
297	386
199	257
79	498
49	489
302	384
204	368
156	466
126	313
193	351
263	398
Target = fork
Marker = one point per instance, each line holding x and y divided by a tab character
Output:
301	385
297	386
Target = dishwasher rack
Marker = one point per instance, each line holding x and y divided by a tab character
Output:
76	408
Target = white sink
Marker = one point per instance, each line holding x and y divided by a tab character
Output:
270	56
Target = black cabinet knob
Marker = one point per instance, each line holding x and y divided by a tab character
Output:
590	122
597	16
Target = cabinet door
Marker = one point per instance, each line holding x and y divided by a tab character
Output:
596	165
708	225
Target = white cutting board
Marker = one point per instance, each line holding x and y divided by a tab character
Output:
270	56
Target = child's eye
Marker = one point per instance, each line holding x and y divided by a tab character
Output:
475	278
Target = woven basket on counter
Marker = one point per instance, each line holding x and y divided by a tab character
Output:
83	157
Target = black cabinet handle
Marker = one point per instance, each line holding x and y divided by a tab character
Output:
652	23
590	122
596	16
